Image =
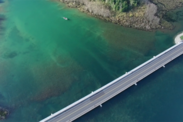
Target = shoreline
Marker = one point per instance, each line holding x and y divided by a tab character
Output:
178	39
146	16
136	18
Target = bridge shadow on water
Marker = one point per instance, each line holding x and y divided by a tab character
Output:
149	100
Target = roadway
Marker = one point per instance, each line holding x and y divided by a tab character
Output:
102	95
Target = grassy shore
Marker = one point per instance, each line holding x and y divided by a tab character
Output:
181	37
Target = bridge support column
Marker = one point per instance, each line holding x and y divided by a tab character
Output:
135	84
163	66
101	105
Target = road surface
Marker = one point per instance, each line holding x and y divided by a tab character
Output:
115	87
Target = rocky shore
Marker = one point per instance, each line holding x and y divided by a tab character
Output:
148	15
3	113
165	8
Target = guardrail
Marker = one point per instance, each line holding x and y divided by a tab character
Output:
107	85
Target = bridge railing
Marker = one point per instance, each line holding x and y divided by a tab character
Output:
105	86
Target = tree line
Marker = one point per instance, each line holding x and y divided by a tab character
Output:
121	5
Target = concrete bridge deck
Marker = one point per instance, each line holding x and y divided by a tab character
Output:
115	87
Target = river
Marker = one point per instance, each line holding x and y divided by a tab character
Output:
46	63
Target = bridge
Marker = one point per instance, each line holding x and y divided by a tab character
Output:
103	94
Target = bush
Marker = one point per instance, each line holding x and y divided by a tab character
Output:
122	5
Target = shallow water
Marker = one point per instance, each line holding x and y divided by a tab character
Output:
47	63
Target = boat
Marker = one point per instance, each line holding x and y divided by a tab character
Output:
65	18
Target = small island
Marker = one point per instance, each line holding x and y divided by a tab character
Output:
179	38
3	113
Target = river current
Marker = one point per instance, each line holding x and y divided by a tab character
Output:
46	63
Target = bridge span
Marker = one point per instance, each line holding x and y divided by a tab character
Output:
103	94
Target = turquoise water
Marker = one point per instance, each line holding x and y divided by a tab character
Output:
46	63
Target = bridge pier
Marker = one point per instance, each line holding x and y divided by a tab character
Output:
163	66
100	105
135	84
